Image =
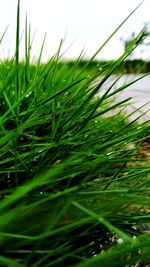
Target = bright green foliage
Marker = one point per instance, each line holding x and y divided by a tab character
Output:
72	180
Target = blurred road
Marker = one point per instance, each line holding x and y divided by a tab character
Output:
139	91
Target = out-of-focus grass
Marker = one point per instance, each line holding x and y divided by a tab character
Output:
68	189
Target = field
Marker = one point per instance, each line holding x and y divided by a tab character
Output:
74	182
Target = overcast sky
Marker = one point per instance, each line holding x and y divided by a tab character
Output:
83	23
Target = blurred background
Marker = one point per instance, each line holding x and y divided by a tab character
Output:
83	24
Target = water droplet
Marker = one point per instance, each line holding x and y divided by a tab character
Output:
27	95
108	154
119	241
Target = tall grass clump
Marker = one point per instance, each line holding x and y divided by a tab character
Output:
74	182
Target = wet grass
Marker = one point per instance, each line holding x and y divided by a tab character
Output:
68	189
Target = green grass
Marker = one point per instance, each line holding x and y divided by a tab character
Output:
137	66
68	188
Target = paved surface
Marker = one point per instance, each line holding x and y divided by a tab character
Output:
139	91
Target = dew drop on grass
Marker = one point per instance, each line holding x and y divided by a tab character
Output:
28	94
119	241
108	154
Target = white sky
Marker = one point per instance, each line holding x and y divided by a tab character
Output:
87	23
